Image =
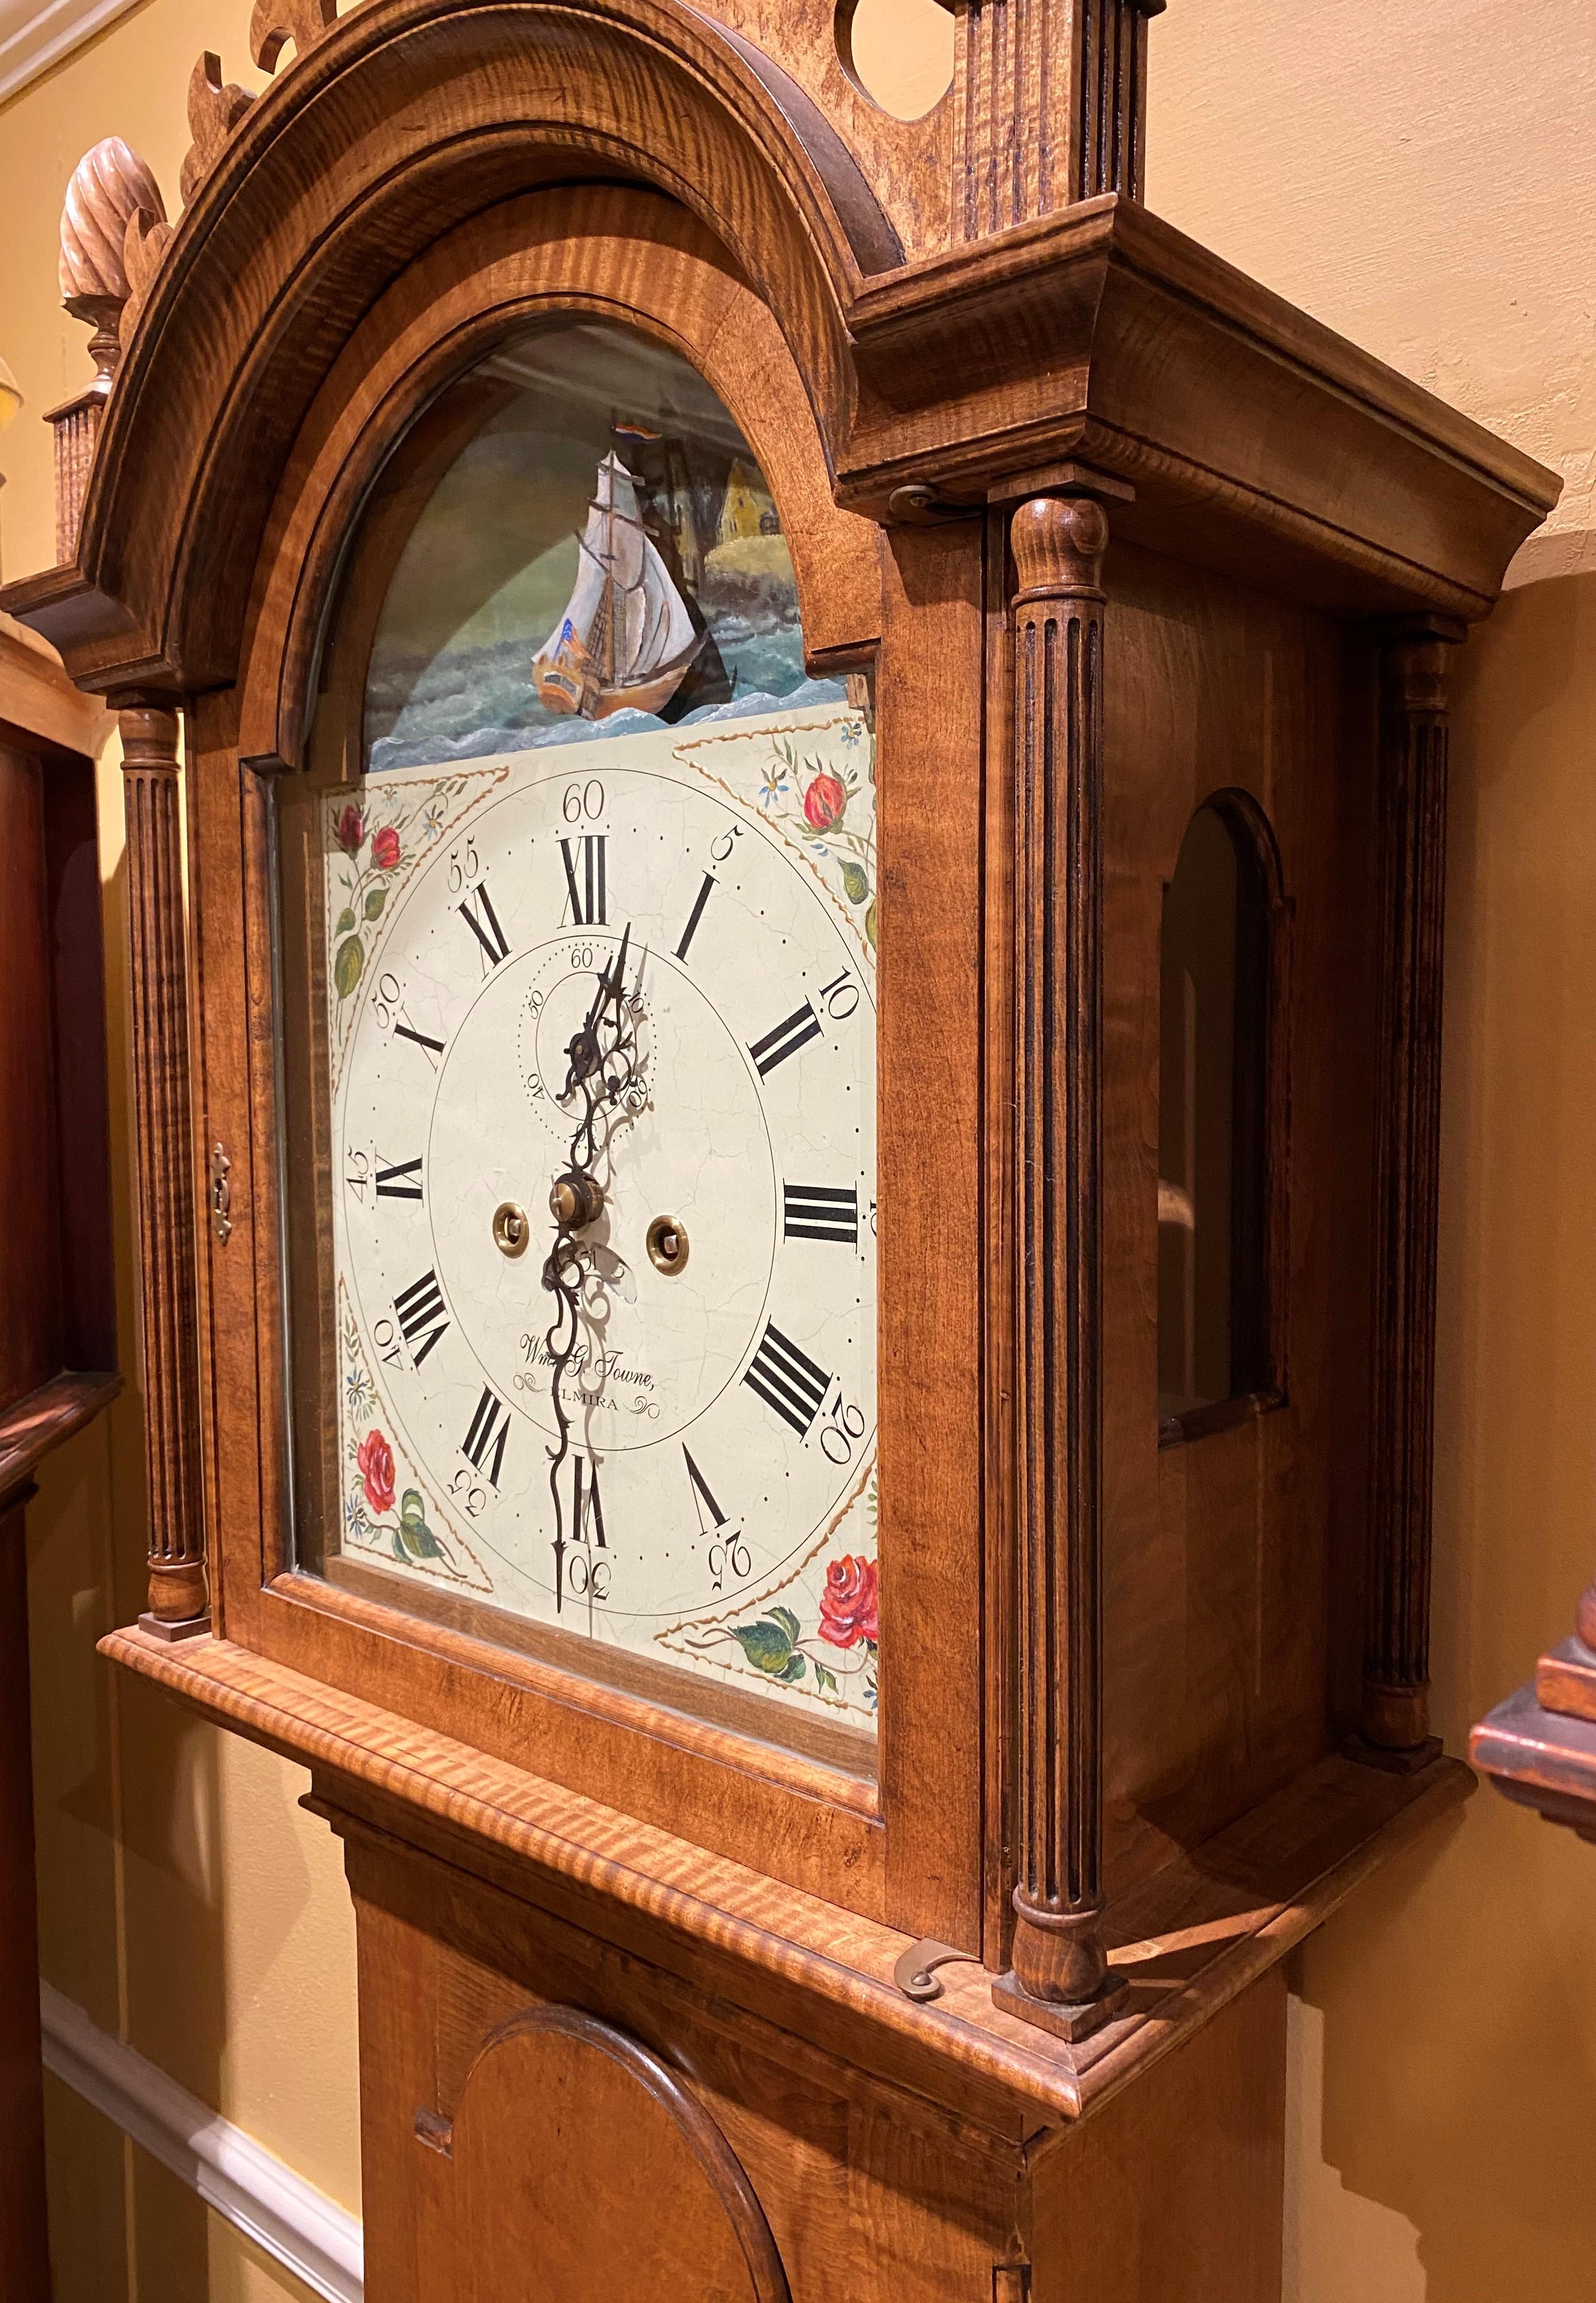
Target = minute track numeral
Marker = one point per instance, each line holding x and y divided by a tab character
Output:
784	1375
794	1032
421	1314
402	1182
585	887
484	1443
820	1211
477	910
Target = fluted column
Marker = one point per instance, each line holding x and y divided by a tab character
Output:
1060	1976
178	1599
1050	106
1413	857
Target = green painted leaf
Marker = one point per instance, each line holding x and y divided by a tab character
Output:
854	882
374	901
398	1546
789	1621
346	921
794	1671
870	925
411	1506
420	1541
826	1681
348	961
766	1646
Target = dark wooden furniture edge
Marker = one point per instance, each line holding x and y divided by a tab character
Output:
1188	1943
1541	1759
30	1428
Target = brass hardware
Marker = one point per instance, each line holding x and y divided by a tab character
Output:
913	1969
576	1200
918	505
667	1246
511	1231
221	1196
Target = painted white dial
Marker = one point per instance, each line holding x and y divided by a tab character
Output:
721	1396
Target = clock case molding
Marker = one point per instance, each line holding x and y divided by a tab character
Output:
1081	500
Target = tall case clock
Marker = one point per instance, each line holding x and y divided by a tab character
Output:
788	1203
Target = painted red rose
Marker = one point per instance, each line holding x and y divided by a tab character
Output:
385	849
824	802
351	829
375	1459
848	1603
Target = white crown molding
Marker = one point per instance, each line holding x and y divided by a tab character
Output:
31	39
286	2216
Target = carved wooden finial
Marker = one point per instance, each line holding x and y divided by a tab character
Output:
276	22
215	110
144	243
108	185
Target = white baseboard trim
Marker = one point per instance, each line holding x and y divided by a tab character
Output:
287	2217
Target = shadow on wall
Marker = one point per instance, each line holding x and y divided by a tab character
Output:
171	1871
1454	2003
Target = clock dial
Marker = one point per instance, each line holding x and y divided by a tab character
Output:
640	969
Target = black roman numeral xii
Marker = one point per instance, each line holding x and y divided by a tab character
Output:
585	889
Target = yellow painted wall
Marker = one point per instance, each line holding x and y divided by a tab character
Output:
1419	178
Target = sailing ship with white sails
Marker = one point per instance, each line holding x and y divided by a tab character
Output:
627	639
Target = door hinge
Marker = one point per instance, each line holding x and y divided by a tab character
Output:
221	1196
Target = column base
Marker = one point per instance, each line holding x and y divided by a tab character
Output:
190	1627
1071	2019
1393	1763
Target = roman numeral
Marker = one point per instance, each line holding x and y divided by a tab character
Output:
403	1031
702	1498
420	1312
586	892
801	1027
401	1183
490	1428
586	1511
485	926
816	1211
695	916
787	1380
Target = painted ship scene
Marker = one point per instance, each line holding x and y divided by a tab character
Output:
604	548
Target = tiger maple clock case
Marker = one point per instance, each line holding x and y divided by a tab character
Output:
789	1195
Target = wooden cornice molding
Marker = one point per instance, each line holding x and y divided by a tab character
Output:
1188	1943
38	700
1102	334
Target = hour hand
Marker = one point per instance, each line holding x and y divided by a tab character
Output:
584	1051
